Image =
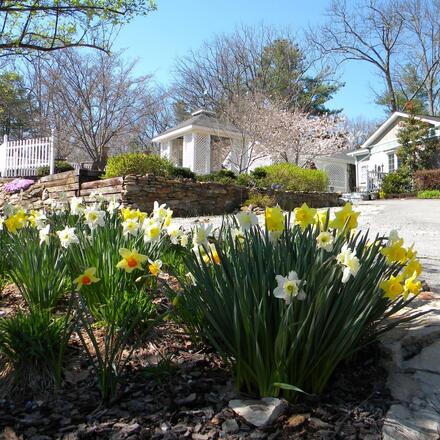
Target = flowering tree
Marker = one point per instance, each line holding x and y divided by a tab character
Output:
270	129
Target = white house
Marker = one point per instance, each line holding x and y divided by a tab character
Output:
194	144
377	155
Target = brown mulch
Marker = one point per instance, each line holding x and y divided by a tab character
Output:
175	388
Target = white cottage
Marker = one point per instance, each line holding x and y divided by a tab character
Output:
194	144
377	155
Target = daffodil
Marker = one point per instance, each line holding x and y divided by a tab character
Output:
201	234
37	219
237	234
67	237
159	211
321	218
184	239
412	266
154	267
152	232
2	222
246	219
304	216
325	241
350	263
86	278
94	217
131	260
112	206
288	287
174	232
274	219
130	227
412	285
395	252
75	205
16	221
213	253
345	218
392	287
44	234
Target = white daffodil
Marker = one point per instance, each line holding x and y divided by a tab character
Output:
130	226
113	205
40	219
246	219
201	234
184	240
393	237
347	258
44	234
159	211
75	205
67	237
94	217
152	232
325	241
174	232
237	234
288	287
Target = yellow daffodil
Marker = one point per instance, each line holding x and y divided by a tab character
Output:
86	278
395	252
133	214
16	221
345	217
305	216
213	255
274	219
154	267
131	260
412	266
392	287
321	217
412	285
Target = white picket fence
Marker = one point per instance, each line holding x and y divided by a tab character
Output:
22	158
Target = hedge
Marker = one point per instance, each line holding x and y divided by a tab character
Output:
427	179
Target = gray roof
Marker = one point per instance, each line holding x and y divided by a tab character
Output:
204	119
341	155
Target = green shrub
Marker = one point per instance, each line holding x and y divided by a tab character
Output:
32	351
292	177
60	167
260	200
137	164
427	179
219	177
297	342
429	194
245	179
226	173
183	173
259	173
398	182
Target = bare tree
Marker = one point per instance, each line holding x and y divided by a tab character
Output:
271	130
423	24
370	31
96	102
27	26
252	60
359	129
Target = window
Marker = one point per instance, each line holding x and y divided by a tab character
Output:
391	162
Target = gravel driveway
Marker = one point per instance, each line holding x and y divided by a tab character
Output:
417	221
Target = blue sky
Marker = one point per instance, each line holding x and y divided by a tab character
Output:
181	25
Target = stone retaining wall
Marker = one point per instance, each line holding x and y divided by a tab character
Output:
184	197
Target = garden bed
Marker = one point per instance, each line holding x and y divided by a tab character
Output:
175	388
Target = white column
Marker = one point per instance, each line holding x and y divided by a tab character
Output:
188	151
202	153
165	149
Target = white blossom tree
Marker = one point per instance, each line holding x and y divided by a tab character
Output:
271	130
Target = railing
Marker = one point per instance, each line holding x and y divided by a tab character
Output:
374	180
82	165
22	158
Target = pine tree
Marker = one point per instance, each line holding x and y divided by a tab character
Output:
419	148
